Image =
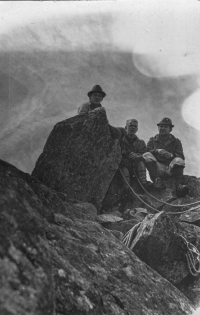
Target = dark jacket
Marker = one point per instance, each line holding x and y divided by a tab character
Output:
129	145
173	145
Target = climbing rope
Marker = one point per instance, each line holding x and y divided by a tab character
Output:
166	203
128	238
193	258
155	209
192	254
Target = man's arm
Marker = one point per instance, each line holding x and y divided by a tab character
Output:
178	152
142	147
84	109
150	146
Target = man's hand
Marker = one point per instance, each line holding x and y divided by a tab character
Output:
165	154
99	109
133	155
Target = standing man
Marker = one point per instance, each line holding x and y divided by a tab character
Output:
164	157
132	149
96	95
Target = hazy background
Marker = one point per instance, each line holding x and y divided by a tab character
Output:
144	54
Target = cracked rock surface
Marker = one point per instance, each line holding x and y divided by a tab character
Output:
55	261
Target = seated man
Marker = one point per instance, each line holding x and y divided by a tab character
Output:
96	95
164	156
132	150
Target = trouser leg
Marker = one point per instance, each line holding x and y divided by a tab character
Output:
141	171
151	165
152	169
177	171
177	174
126	174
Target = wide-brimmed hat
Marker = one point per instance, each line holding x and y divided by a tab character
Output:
97	89
165	121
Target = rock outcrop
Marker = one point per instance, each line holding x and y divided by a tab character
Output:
80	158
62	232
159	245
55	262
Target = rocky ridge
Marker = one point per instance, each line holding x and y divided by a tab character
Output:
61	239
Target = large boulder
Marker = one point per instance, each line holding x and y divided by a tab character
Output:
190	285
158	244
80	158
53	261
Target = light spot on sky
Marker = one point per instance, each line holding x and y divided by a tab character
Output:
197	312
191	110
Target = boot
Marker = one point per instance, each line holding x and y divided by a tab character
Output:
177	173
142	175
159	183
152	169
182	190
126	174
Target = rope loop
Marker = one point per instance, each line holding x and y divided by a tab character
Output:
192	257
166	203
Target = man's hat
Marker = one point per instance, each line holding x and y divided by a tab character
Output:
165	121
97	89
131	120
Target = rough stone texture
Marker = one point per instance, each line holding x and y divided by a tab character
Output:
158	244
80	158
86	208
191	216
107	218
165	195
194	185
53	262
190	285
191	232
117	198
122	226
25	262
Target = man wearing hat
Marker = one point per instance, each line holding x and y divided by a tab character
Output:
96	95
164	157
132	149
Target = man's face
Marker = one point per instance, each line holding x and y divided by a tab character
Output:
164	130
96	98
132	127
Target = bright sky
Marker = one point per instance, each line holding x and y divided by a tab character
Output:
165	33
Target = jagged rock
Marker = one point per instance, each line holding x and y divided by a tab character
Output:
158	244
107	218
194	185
117	234
86	208
190	285
165	195
47	199
191	216
52	262
117	196
191	232
80	158
136	213
122	226
115	213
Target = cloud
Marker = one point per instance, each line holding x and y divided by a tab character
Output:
162	38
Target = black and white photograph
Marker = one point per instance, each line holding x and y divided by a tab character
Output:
100	157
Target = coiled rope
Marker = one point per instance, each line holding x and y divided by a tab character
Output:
192	254
153	208
193	258
166	203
